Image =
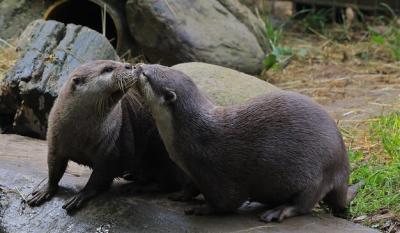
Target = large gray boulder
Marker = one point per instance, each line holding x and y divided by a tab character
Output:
175	31
254	23
223	85
49	52
15	15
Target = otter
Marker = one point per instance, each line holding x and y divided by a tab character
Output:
281	149
99	122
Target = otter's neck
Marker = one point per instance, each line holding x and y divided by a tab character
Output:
86	118
182	122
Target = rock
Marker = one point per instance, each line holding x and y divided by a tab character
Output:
255	24
16	15
223	85
49	52
175	31
23	166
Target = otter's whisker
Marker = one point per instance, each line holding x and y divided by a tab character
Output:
124	85
130	83
120	85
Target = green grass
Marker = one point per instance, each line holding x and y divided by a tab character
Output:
381	171
279	54
389	40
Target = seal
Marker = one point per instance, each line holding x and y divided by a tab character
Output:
99	122
281	149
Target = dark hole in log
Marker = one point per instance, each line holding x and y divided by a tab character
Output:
84	13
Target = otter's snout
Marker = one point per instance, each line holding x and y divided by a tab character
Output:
137	70
128	66
123	77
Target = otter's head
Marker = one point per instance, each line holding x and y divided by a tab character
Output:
98	85
163	87
100	78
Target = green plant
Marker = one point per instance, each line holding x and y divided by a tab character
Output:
381	171
279	54
316	20
390	38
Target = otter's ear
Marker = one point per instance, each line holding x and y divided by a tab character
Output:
169	96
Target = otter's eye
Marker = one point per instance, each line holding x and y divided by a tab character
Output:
107	69
78	80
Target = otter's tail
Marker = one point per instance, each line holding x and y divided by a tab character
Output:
352	191
340	197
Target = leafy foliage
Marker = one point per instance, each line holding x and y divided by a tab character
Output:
279	54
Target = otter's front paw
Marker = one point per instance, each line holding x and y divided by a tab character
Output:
78	200
42	195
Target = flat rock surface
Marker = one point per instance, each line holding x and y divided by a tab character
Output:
23	166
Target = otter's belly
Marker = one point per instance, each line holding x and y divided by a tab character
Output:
79	153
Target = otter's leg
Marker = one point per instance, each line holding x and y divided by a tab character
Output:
218	202
100	180
189	192
337	199
302	204
57	168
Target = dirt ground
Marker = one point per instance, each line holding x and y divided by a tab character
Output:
352	89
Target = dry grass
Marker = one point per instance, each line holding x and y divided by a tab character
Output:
8	57
351	79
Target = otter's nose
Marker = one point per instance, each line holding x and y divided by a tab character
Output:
128	66
138	68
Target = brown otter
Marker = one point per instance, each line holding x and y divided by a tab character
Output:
281	149
96	121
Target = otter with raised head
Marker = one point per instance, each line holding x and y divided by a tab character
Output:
281	149
96	121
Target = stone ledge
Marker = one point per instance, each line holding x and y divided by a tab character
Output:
23	166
